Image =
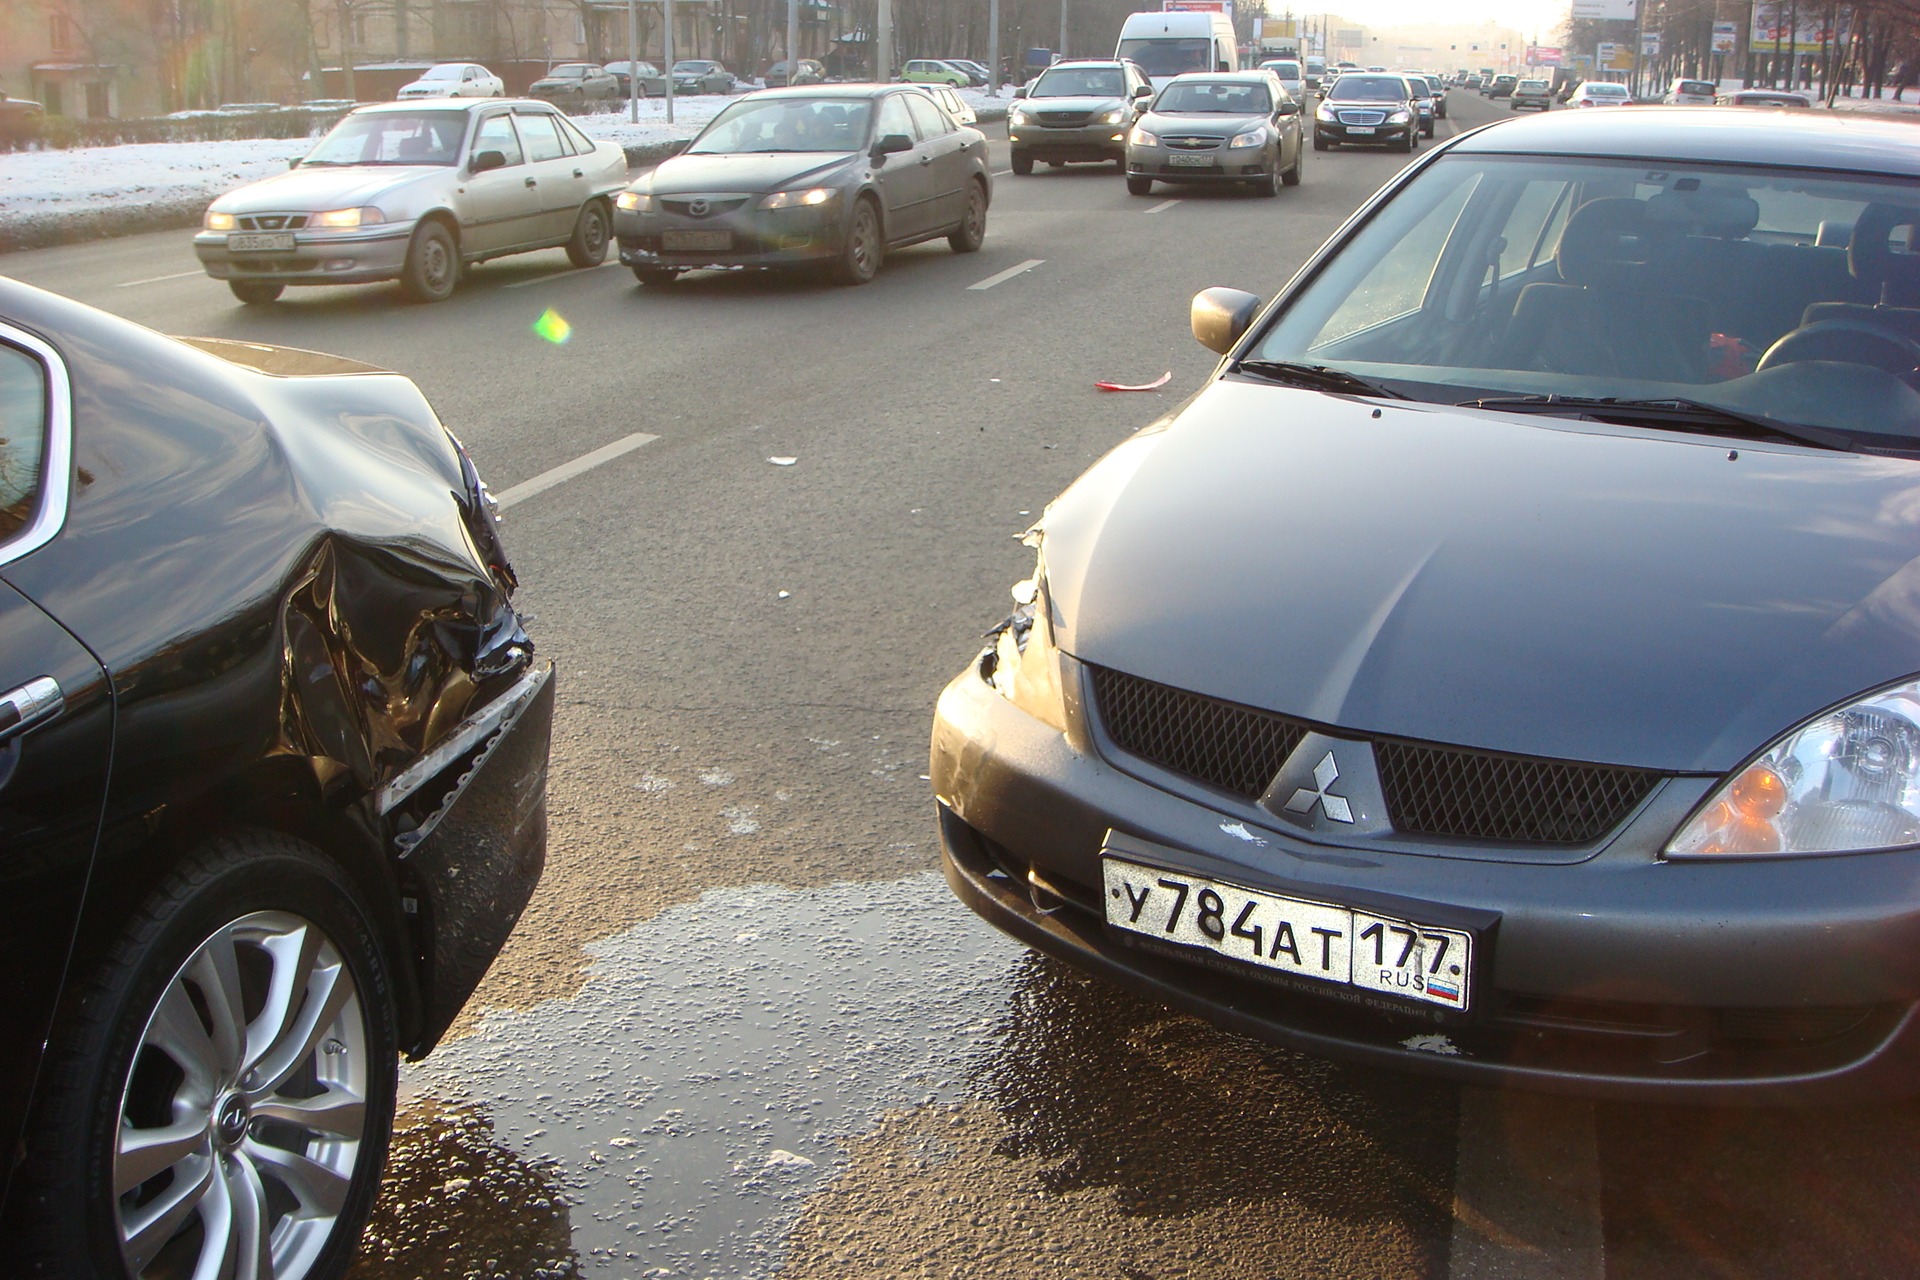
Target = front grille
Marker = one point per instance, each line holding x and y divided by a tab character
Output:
1477	795
1192	143
1361	117
1222	744
1430	789
273	221
713	207
1063	119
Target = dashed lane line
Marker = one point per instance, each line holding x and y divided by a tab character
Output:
1162	207
1003	276
568	470
1001	173
1526	1189
178	275
557	275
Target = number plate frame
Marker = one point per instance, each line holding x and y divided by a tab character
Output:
1362	128
260	242
1201	161
695	241
1313	942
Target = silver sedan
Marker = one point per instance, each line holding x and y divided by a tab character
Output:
414	192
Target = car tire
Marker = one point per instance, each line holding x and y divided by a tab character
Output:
591	232
1321	144
1294	173
1411	141
1426	131
256	293
1021	164
1268	184
145	1049
655	277
865	247
1138	185
432	269
972	231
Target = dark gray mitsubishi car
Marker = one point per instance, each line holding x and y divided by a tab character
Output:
1508	665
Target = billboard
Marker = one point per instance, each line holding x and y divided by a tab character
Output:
1774	21
1197	6
1606	10
1544	55
1726	36
1649	44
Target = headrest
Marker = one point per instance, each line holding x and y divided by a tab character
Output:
1718	212
1870	254
1833	234
1602	233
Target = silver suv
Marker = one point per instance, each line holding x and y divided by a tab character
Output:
1077	111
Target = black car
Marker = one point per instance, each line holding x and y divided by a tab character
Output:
576	85
273	756
1508	665
1368	108
820	176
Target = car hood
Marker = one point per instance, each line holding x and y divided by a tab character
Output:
556	82
324	187
438	88
1528	585
1091	104
773	171
1200	124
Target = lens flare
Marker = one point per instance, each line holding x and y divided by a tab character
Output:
553	327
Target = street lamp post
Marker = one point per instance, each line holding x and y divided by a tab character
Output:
633	63
666	55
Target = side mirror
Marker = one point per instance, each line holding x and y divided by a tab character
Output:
1139	91
891	144
1220	316
1019	91
294	163
1287	109
486	160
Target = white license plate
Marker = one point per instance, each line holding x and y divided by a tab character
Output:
1191	162
682	241
260	241
1359	128
1342	946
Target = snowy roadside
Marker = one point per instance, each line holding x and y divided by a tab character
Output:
52	197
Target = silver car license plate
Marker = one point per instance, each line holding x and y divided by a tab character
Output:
1190	162
1323	941
260	241
685	241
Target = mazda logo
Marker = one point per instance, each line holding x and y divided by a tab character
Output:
1325	774
699	208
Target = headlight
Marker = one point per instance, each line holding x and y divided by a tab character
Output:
1847	781
1016	117
1141	138
1113	117
365	217
798	199
1024	667
1324	113
1399	115
221	221
1251	138
634	202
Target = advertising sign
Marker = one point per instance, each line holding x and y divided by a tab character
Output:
1772	20
1545	56
1197	6
1726	36
1649	44
1606	10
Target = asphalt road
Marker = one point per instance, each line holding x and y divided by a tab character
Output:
744	1027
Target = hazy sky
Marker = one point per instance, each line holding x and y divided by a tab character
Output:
1543	17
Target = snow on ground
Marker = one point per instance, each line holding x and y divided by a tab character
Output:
142	182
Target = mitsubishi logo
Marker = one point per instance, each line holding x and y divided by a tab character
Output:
1325	774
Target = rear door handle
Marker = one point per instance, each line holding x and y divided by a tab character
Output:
33	703
578	174
532	183
926	159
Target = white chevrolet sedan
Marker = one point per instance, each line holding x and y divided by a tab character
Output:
416	192
455	80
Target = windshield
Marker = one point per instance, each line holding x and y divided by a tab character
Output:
1213	97
572	71
1285	70
1369	89
684	68
1531	86
786	124
1730	286
397	137
1169	57
1079	82
443	73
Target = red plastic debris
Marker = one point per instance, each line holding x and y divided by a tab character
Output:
1155	385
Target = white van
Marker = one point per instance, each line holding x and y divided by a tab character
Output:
1170	44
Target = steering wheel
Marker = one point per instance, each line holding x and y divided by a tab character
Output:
1851	341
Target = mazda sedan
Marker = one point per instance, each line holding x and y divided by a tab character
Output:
828	177
417	192
274	747
1508	665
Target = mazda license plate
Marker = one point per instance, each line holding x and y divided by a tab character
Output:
685	241
1191	162
260	241
1323	941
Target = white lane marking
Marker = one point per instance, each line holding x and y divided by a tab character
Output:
568	470
178	275
1004	276
558	275
1001	173
1526	1189
1162	207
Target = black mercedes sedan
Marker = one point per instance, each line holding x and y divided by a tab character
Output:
1508	665
817	176
273	758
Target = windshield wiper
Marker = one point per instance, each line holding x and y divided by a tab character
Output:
1694	415
1315	377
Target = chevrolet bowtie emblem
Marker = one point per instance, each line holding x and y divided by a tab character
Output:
1325	774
